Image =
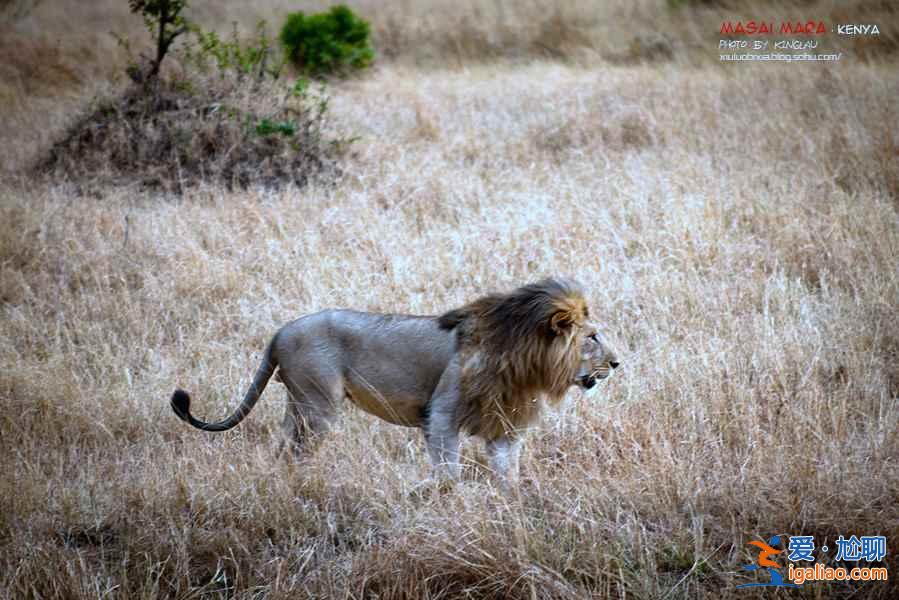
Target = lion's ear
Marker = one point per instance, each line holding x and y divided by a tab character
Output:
569	312
562	321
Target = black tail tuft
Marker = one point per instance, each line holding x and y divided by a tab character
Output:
181	404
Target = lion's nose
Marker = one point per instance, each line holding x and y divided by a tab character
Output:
614	364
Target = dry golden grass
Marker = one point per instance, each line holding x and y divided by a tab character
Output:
740	240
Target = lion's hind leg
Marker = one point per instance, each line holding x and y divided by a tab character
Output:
311	409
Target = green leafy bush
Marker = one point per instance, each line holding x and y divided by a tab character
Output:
332	42
256	55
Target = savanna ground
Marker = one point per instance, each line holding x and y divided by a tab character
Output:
736	227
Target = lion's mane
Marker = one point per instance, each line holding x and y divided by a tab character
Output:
516	350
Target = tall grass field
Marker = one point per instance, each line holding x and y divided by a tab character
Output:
735	226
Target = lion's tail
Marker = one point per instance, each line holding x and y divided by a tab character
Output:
181	399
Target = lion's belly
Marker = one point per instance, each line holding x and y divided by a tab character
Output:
397	408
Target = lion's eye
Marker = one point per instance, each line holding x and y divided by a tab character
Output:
593	337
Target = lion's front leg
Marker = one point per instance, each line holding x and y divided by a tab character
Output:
503	455
443	450
442	428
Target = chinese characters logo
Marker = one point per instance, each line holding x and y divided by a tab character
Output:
801	548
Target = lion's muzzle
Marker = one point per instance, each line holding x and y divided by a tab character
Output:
590	379
586	381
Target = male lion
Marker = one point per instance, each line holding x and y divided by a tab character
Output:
485	368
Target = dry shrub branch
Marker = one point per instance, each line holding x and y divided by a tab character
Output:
223	116
214	129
